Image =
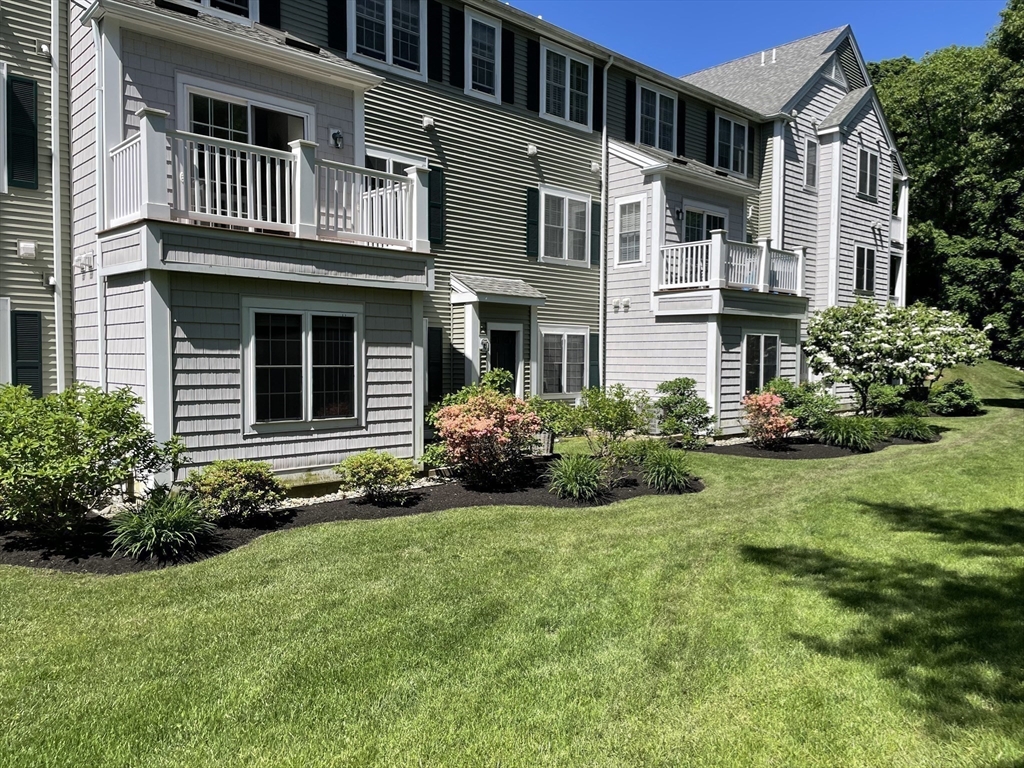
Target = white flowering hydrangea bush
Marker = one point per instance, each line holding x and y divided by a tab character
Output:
867	344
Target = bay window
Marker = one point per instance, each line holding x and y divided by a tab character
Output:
568	80
565	227
389	32
731	145
564	360
760	360
656	117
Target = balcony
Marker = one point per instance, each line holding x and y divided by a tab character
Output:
897	233
721	263
185	177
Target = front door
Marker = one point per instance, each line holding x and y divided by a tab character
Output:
504	354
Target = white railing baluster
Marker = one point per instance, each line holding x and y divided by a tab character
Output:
359	205
686	265
126	185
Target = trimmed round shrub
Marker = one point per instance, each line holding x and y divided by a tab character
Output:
857	433
683	412
666	470
767	423
808	403
886	399
232	488
381	477
579	477
954	398
907	427
165	526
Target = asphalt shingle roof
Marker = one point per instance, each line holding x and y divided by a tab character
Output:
768	88
844	108
498	286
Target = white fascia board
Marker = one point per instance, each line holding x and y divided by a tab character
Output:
630	154
727	184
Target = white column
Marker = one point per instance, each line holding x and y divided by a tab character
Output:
153	163
418	376
764	245
472	337
535	347
801	253
657	232
719	260
778	180
714	347
159	385
304	198
419	208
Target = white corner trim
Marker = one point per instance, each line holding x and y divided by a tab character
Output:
472	15
778	181
835	215
419	373
712	384
619	202
534	353
57	192
471	337
657	232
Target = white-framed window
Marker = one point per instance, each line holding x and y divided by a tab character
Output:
483	56
225	111
731	144
568	86
630	229
303	363
389	34
760	360
564	227
3	124
231	9
867	173
864	271
698	224
564	354
389	161
811	164
655	117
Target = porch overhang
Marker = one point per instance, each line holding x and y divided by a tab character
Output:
472	289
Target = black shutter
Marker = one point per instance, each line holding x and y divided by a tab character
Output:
337	20
595	360
598	97
435	364
858	269
533	75
270	13
27	351
681	126
435	55
595	234
456	47
869	278
508	66
750	150
22	135
435	204
710	159
630	110
533	222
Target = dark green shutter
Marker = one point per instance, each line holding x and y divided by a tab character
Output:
869	270
435	55
533	82
858	266
22	133
750	150
456	47
435	364
533	222
595	360
681	126
595	234
270	13
508	66
337	21
598	97
435	203
27	351
630	110
710	145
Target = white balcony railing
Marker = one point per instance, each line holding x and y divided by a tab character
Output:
180	176
896	230
720	263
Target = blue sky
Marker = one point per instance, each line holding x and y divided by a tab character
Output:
681	36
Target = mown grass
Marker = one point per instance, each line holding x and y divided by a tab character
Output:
864	611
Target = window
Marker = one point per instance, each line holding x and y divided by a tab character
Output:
567	83
483	56
760	360
895	260
865	269
226	8
656	116
389	32
565	360
811	164
565	227
731	146
302	362
629	230
867	175
699	225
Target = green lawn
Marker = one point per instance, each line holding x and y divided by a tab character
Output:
866	611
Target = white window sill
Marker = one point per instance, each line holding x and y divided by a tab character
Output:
629	264
299	427
581	127
573	396
394	69
565	262
490	98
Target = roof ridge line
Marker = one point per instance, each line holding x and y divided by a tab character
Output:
748	55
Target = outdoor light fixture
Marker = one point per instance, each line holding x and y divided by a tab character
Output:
337	138
531	150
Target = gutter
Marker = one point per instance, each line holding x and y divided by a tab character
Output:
603	289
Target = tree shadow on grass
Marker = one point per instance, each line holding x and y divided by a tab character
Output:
953	641
1016	388
985	532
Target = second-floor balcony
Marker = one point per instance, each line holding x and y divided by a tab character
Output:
186	177
721	263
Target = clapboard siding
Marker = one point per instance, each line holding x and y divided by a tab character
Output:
733	331
818	288
679	195
764	219
125	329
207	374
124	249
87	349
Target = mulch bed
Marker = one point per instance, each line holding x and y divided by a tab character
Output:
89	551
800	448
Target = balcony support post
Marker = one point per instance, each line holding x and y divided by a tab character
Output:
801	253
764	244
719	260
419	208
304	217
153	164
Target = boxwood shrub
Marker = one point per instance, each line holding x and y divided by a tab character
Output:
235	489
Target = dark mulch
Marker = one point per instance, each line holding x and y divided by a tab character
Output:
89	551
799	448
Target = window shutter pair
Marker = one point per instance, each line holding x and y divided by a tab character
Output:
435	206
27	351
270	13
710	147
630	110
22	133
337	20
595	360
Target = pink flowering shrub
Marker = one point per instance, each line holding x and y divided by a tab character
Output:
488	436
767	424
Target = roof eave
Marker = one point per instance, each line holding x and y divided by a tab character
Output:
721	183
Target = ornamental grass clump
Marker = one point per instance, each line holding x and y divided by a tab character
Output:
666	470
235	489
856	433
578	477
489	436
767	424
907	427
381	477
167	526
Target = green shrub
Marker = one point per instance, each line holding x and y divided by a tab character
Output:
907	427
379	475
916	408
809	403
435	456
666	470
887	399
66	453
684	412
858	433
633	453
165	525
578	477
556	416
954	398
607	417
231	488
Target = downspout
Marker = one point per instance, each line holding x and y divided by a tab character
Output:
57	190
602	291
101	143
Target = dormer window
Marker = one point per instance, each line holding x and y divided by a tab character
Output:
389	34
656	117
232	9
731	145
